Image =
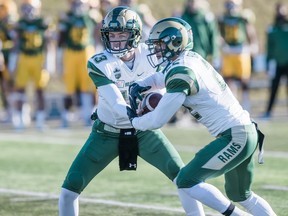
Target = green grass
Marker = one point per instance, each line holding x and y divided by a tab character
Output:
38	162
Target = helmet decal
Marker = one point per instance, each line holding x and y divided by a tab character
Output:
175	33
122	19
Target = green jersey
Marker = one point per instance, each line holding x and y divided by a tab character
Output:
6	28
277	43
31	35
205	33
233	30
77	32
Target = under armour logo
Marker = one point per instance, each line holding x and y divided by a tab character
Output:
132	165
128	133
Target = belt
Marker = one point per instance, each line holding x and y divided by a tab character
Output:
111	129
103	127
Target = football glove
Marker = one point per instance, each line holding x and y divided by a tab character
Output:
135	91
131	113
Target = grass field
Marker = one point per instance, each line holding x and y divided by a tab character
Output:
33	166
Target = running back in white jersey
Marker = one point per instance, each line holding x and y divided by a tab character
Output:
214	105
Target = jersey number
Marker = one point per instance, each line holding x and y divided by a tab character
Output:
33	40
100	57
79	35
3	37
231	33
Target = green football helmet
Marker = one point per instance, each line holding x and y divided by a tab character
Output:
167	39
122	19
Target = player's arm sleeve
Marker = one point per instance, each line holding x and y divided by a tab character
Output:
114	98
180	82
181	79
252	37
108	90
167	107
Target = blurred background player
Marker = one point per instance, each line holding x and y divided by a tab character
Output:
2	83
206	36
239	43
145	13
104	7
76	37
31	41
205	30
8	17
277	58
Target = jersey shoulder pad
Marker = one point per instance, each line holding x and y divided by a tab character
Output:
97	69
181	79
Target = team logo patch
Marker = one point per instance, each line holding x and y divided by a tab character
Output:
117	73
225	156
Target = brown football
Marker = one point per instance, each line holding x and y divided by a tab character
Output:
149	102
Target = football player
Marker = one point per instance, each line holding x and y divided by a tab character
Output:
112	71
76	37
277	60
192	82
8	17
31	38
239	45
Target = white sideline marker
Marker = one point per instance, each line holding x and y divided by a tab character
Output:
91	200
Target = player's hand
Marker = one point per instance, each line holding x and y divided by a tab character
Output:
135	91
131	113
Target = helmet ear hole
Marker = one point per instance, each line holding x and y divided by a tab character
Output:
175	33
177	42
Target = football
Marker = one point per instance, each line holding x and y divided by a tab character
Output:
149	103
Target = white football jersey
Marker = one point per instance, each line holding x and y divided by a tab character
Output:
192	82
214	105
112	74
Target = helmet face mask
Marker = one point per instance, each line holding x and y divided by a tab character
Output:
30	9
125	20
79	7
169	36
119	42
233	6
158	53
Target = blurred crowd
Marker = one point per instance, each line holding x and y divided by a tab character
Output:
35	48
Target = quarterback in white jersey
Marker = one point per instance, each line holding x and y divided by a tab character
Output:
112	76
112	71
192	82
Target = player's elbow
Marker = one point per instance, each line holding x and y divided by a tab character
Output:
158	123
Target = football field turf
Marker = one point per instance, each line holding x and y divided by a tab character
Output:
33	165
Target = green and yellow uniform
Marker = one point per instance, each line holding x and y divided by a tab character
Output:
31	45
6	27
236	51
76	36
